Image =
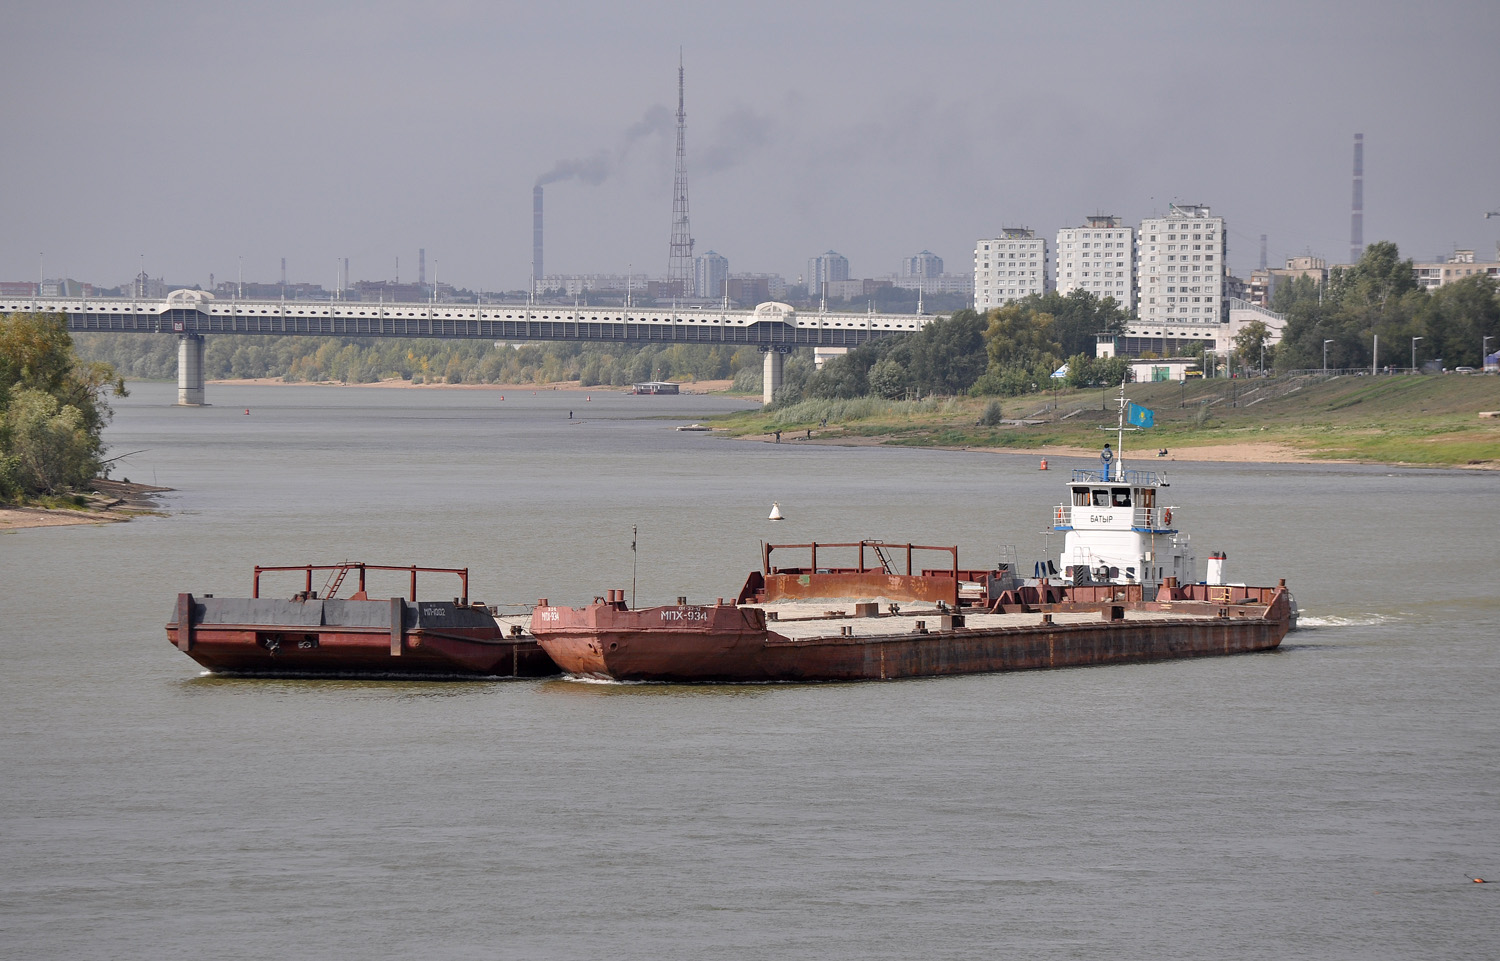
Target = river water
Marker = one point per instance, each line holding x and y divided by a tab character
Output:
1328	800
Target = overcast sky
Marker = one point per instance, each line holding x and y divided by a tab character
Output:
194	134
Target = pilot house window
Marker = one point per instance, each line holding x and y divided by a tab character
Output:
1122	497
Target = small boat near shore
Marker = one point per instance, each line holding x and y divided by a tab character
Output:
315	632
1124	589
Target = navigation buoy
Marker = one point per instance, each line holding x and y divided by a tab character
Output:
589	397
247	410
1044	464
1478	880
776	511
502	396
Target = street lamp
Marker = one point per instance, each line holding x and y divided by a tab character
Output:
1325	355
1414	354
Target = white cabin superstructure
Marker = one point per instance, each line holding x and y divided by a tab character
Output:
1117	525
1118	530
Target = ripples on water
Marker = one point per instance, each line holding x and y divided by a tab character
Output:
1325	800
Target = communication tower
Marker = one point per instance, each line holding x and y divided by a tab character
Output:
680	259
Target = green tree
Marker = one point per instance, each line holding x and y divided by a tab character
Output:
1250	342
1019	335
52	407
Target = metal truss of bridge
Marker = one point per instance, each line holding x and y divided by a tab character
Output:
775	328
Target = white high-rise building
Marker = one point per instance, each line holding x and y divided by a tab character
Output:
922	266
1009	267
1098	257
710	271
825	269
1181	273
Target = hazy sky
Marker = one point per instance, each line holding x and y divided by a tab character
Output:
197	133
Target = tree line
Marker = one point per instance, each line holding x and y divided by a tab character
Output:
367	360
1009	350
1380	297
53	408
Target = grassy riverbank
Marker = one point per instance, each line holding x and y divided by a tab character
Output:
1431	420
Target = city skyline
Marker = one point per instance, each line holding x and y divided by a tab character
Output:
844	127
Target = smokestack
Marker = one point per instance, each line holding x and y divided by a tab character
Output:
283	271
536	238
1262	251
421	266
1357	218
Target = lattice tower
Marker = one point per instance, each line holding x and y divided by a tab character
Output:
680	258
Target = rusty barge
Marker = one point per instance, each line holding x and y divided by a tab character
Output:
317	633
1123	589
830	624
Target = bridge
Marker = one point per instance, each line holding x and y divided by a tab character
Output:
775	328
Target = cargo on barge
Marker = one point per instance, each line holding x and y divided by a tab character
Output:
315	632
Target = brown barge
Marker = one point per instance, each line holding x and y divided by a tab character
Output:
833	624
310	634
1124	588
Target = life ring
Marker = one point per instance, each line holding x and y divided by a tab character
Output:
1059	516
1166	516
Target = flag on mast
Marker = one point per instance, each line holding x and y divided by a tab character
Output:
1141	416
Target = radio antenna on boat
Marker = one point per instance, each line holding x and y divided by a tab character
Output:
1119	430
632	564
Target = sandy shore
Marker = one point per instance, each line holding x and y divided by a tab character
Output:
1241	453
110	503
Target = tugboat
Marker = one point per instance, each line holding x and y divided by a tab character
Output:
1124	589
317	633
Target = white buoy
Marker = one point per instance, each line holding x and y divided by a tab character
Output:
776	511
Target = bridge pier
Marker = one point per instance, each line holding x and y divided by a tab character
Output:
771	382
190	370
822	355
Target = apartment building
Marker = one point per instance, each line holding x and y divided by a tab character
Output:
1009	267
1182	271
1098	257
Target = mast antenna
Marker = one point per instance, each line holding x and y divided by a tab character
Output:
680	257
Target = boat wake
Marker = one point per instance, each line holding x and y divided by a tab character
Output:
607	681
1353	620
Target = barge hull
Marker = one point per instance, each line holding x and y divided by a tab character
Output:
255	636
729	643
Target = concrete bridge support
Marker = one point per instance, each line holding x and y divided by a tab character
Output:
190	370
771	383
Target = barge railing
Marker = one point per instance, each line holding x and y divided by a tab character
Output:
880	548
339	570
